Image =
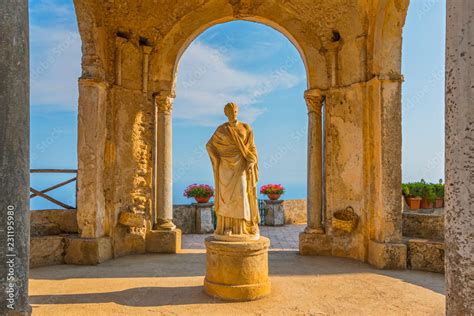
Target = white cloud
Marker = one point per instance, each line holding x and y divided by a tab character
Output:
55	67
55	62
207	81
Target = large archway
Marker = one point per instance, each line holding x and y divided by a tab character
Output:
352	58
259	69
163	176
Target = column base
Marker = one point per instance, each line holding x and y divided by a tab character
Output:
237	271
315	243
163	241
387	255
88	251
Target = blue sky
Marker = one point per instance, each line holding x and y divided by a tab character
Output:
245	62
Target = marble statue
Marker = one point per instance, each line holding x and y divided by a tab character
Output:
235	164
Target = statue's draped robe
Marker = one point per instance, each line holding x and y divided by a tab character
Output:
235	203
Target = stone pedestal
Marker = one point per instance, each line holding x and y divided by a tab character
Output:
88	251
274	213
204	223
315	244
385	255
237	271
163	241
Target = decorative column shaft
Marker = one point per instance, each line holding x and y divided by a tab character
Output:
164	163
459	169
314	185
119	41
146	55
14	157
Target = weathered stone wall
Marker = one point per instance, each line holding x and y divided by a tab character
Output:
420	225
345	167
425	255
53	222
130	166
295	211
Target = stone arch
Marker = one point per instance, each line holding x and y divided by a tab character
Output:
168	51
163	72
386	39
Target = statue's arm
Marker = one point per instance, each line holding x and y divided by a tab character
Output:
252	159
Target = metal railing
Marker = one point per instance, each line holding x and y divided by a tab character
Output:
42	193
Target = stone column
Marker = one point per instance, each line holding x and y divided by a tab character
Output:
459	209
314	186
314	240
14	157
119	42
94	246
164	162
146	56
90	151
164	238
384	175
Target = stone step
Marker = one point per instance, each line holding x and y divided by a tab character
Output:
425	254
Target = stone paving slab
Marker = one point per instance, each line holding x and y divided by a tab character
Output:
171	284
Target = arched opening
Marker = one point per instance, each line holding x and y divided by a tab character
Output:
259	69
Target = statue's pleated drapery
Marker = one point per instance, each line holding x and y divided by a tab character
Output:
231	151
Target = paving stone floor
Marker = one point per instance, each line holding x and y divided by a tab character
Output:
281	237
171	284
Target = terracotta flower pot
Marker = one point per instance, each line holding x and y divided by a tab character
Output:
425	203
439	203
413	202
202	199
273	196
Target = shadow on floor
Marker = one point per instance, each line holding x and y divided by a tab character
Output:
136	297
281	263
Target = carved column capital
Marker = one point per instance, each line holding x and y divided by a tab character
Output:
314	100
119	41
147	49
164	103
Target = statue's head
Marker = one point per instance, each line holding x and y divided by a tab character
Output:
231	110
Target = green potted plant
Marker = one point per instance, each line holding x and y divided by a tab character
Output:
272	191
200	192
412	194
428	195
439	193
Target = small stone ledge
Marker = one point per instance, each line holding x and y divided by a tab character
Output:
425	224
46	250
315	244
426	255
387	255
163	241
87	251
68	249
53	222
